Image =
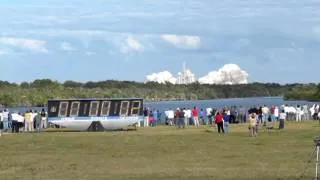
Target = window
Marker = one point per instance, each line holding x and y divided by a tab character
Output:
63	109
94	108
53	109
124	108
105	108
74	108
135	108
116	107
85	108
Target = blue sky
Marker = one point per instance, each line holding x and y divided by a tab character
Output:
274	41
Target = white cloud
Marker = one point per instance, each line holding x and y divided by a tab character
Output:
67	47
89	53
162	77
131	44
31	44
187	41
4	52
316	30
228	74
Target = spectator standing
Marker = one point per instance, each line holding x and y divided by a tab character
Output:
171	117
155	116
252	125
276	113
203	117
282	118
209	115
219	122
5	115
28	123
226	120
265	115
146	117
43	119
195	115
38	122
1	123
298	113
15	125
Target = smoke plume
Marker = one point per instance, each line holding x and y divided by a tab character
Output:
228	74
162	77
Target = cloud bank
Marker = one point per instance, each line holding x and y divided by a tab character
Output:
185	41
30	44
228	74
67	46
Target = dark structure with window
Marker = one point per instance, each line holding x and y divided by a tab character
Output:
94	107
95	114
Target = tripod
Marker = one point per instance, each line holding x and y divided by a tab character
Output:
317	162
315	151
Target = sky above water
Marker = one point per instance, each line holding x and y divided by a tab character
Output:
273	41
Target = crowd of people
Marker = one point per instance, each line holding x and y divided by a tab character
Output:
183	117
221	118
16	122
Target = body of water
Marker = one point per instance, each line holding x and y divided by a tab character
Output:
219	103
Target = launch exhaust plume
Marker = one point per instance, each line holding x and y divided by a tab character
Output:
228	74
162	77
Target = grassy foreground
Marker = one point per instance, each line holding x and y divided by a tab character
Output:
160	153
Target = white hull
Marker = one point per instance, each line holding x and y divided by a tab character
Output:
84	124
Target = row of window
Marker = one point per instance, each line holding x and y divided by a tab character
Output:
104	110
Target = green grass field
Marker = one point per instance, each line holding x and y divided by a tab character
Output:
160	153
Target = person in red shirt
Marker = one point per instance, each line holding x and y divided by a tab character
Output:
195	115
219	122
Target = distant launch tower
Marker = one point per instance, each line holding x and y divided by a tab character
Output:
186	76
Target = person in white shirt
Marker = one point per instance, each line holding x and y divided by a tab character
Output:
298	113
306	115
32	120
312	110
283	117
170	116
276	113
265	114
17	122
186	122
209	116
189	115
5	115
15	126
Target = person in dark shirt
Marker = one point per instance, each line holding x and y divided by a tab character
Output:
43	119
37	120
181	119
146	117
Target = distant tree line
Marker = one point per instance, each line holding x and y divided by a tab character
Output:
37	93
309	92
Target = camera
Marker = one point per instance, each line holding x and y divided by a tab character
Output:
317	141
